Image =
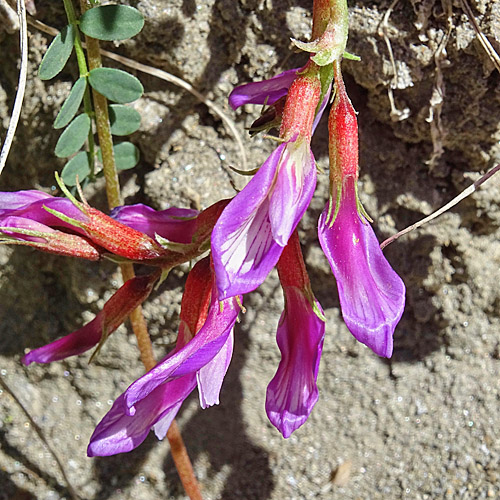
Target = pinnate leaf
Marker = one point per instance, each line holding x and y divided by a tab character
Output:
79	166
115	84
73	138
126	155
112	22
57	54
71	104
124	119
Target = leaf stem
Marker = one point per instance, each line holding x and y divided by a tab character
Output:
82	68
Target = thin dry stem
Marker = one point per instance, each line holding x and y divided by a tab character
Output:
438	132
488	48
396	114
183	463
18	103
466	192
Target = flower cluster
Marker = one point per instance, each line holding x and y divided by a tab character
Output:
245	238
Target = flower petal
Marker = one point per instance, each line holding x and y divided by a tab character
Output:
293	190
13	200
174	224
321	109
264	92
118	432
77	342
114	313
31	205
372	295
193	356
211	376
292	393
243	249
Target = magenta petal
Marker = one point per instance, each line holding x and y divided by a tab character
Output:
293	190
75	343
372	295
264	92
202	348
243	248
31	205
118	432
292	393
211	376
174	224
321	109
19	199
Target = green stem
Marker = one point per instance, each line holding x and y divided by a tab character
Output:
82	68
103	125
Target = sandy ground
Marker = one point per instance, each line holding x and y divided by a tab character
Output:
424	424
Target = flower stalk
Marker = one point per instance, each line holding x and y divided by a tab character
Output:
137	320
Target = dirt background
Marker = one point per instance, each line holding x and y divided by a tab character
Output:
424	424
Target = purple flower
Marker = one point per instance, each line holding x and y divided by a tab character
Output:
292	393
249	236
118	432
31	205
174	224
114	313
26	224
213	337
199	359
372	295
264	92
210	377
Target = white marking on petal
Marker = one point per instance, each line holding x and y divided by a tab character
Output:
245	247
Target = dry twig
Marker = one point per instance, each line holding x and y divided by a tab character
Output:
466	192
396	114
16	111
488	48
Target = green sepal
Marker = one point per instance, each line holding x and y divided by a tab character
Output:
311	47
181	248
244	172
117	259
64	218
318	312
18	230
324	57
104	336
164	275
326	79
204	246
337	206
361	208
66	191
351	57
